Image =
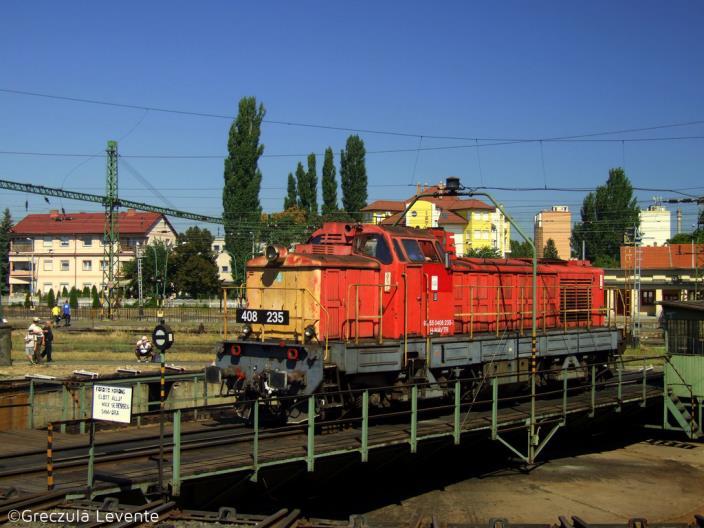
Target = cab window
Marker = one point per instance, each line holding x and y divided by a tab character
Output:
375	246
399	251
426	246
413	250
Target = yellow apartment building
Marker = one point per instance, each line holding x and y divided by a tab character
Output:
473	223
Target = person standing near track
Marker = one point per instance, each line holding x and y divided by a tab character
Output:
67	313
56	314
32	341
48	340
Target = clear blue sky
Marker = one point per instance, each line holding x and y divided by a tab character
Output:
467	69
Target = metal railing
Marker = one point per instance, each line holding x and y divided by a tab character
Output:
75	397
176	314
515	319
460	410
357	317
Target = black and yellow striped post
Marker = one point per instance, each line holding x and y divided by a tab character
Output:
50	456
163	338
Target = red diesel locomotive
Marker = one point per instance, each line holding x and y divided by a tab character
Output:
373	306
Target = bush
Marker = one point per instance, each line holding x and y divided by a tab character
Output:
96	298
73	298
27	301
64	292
50	299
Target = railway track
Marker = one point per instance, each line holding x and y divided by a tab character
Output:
32	462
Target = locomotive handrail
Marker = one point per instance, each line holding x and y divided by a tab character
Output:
302	318
515	316
357	317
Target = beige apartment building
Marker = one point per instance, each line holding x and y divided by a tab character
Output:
556	224
222	259
57	250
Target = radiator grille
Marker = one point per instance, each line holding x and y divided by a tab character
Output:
576	299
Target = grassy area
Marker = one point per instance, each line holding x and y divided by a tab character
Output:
653	355
87	345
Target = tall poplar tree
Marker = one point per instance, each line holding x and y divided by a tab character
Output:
353	175
301	186
312	190
329	184
307	183
240	196
5	227
607	214
291	198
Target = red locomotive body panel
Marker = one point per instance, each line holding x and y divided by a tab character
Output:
383	282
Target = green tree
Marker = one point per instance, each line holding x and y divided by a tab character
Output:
291	199
157	264
329	184
5	231
64	293
353	176
85	292
95	303
550	250
607	214
73	298
27	300
521	249
50	298
307	185
196	272
287	227
483	252
240	197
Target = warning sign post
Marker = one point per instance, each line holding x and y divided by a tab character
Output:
112	404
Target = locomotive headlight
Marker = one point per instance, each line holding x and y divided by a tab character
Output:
247	331
309	332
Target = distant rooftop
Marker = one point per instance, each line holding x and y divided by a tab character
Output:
130	222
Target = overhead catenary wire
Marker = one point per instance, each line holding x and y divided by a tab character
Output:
418	149
191	113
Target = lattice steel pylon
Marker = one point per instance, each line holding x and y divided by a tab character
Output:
111	233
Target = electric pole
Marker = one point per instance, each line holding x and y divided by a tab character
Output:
111	235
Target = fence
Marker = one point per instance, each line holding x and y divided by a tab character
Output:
179	314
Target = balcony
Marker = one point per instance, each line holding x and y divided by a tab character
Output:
22	246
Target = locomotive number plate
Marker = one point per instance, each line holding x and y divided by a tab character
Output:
272	317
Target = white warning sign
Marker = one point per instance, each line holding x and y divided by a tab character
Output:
113	404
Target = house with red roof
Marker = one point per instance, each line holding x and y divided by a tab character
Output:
65	250
474	224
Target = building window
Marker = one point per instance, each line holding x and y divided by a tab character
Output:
225	269
103	265
48	265
65	265
64	241
87	265
47	286
485	217
48	242
63	286
477	235
216	248
87	241
647	297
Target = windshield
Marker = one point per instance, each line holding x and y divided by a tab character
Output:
375	246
